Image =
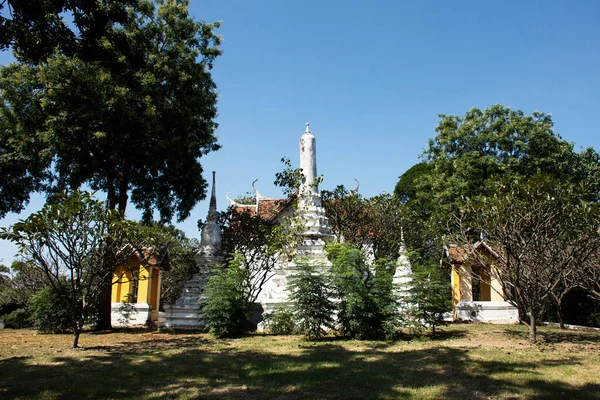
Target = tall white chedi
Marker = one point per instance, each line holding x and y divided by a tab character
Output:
310	211
314	229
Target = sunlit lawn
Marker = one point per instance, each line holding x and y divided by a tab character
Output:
466	361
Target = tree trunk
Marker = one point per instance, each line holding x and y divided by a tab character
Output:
76	338
532	328
104	307
559	316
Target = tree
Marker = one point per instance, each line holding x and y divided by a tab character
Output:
543	231
347	213
428	299
226	306
498	143
69	241
312	306
136	122
18	286
133	123
366	303
374	224
259	245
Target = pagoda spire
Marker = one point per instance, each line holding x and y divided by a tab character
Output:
308	162
210	251
212	208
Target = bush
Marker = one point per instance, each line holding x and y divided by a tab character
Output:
51	312
18	319
226	308
280	321
428	300
367	307
313	309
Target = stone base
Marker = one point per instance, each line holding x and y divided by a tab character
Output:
141	314
186	313
499	312
184	317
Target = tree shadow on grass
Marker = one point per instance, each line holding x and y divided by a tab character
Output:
554	336
193	367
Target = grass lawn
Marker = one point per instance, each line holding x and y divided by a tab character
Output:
465	362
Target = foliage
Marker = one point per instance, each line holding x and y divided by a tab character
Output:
76	242
543	232
366	302
16	290
52	311
18	319
280	321
311	296
406	189
374	223
137	121
260	244
226	307
25	157
179	249
290	179
429	298
347	213
33	29
498	143
421	234
127	310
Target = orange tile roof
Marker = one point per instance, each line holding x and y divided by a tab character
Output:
268	209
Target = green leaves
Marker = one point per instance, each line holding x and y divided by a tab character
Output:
133	121
497	143
311	297
226	306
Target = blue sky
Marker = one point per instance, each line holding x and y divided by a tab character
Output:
372	77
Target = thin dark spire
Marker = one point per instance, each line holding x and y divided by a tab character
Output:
212	209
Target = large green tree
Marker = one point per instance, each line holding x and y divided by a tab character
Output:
132	122
133	125
496	143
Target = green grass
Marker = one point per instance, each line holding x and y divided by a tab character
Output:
465	362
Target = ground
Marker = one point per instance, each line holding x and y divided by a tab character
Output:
465	362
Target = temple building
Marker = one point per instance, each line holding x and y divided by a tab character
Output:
476	292
305	207
136	286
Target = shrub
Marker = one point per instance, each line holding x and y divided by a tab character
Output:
127	310
313	309
18	319
51	312
280	321
226	307
367	307
428	300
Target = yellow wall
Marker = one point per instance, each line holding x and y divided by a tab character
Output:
148	284
455	278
